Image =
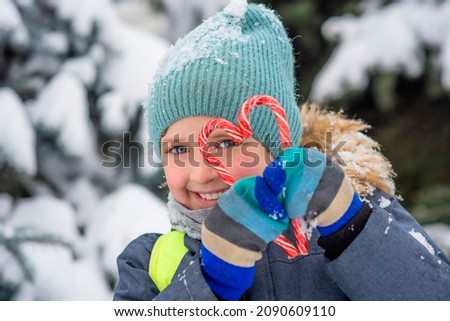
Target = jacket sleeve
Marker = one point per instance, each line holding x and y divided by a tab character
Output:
392	258
135	283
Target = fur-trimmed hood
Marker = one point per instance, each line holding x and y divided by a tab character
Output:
344	141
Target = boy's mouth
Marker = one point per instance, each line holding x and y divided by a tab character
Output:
210	196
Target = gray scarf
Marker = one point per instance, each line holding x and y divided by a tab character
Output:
186	220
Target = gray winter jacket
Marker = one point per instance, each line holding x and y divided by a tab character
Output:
392	258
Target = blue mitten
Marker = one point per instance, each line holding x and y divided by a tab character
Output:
319	189
246	217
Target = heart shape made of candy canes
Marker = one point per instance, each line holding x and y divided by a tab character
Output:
244	131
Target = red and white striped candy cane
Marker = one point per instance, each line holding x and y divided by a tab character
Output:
276	108
236	136
301	243
243	131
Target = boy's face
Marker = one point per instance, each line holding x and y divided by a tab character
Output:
191	180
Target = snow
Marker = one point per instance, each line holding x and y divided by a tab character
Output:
17	137
121	217
6	202
129	46
213	32
60	273
384	202
59	277
98	211
115	118
388	227
444	57
150	164
55	272
236	8
422	240
62	107
83	68
126	47
84	197
82	13
115	121
388	40
11	22
54	43
137	13
10	269
10	18
40	64
78	217
186	15
46	213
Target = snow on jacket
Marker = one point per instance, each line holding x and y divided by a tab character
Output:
392	258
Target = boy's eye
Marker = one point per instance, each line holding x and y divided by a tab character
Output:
227	143
178	150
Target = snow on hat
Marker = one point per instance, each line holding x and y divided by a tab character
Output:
240	52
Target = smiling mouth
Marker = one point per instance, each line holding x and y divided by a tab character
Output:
210	197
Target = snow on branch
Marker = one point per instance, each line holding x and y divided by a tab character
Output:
390	39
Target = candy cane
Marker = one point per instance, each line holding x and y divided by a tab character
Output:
300	240
243	131
236	136
278	111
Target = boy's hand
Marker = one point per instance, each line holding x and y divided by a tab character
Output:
246	218
317	188
256	210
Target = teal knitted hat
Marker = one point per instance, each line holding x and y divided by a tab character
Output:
238	53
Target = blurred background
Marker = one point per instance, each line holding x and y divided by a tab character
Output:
76	178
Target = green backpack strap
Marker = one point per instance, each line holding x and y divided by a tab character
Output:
166	255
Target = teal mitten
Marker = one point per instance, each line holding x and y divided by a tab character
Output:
245	218
318	188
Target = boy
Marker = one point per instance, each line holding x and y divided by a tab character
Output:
364	246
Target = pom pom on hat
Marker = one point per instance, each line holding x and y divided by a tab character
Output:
238	53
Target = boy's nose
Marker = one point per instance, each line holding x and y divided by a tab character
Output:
201	171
